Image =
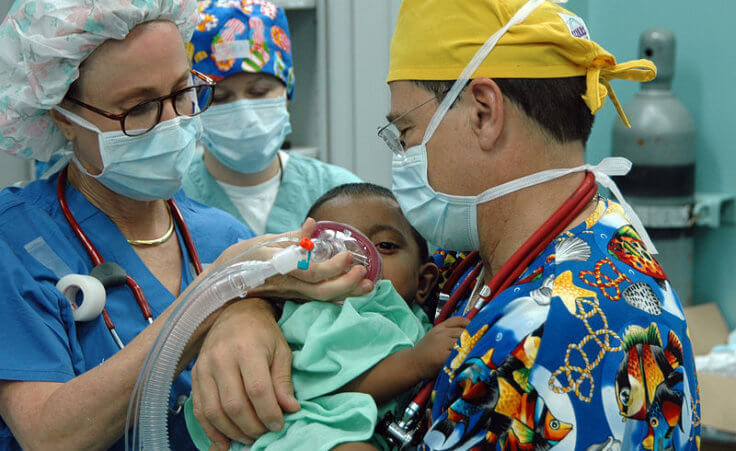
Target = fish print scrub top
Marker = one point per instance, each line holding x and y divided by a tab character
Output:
587	350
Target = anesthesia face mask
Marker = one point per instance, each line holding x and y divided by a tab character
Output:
335	237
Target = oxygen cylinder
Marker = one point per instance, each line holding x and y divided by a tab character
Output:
661	144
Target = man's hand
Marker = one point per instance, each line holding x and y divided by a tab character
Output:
432	351
242	378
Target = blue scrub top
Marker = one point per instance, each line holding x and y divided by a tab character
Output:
303	182
39	340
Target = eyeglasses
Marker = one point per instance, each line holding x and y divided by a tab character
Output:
390	134
143	117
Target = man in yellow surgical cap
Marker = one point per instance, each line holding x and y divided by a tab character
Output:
575	326
577	339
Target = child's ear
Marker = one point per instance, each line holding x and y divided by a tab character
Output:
429	275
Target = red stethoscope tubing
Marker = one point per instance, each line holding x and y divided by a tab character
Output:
550	230
518	262
471	259
97	259
451	303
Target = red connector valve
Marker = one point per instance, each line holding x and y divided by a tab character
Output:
306	244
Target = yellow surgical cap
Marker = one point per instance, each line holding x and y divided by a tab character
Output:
436	39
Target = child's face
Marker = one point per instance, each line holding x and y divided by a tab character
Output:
381	220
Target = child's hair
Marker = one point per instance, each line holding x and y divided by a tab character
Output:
368	189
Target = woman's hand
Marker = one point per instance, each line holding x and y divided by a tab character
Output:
332	280
242	378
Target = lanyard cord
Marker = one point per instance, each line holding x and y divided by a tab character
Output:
97	259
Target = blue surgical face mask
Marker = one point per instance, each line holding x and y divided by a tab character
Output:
451	222
146	167
245	135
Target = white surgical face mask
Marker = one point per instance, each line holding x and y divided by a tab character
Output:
451	221
246	134
146	167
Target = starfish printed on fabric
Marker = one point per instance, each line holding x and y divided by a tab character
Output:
467	342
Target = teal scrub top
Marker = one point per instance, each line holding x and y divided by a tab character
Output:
304	181
39	339
333	344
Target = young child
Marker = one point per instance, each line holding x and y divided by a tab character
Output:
352	361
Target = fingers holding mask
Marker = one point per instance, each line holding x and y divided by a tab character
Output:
265	246
334	279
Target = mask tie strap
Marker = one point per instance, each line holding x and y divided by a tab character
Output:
65	154
475	63
616	166
82	122
612	166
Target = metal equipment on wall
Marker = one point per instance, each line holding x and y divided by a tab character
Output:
661	144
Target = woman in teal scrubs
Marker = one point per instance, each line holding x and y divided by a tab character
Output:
242	170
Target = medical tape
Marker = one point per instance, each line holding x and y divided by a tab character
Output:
224	51
42	252
93	295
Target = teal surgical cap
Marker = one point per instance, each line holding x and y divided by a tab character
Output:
43	43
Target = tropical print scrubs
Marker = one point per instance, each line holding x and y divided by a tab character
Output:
587	350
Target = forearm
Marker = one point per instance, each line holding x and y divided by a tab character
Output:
391	377
89	411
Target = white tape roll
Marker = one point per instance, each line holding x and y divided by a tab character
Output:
93	295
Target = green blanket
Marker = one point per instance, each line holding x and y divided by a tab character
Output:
333	344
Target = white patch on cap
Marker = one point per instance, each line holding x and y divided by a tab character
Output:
224	51
575	25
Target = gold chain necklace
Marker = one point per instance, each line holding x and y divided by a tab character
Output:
157	241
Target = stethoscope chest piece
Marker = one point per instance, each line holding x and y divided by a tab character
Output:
110	274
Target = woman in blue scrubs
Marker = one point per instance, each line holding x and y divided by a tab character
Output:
107	85
240	167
